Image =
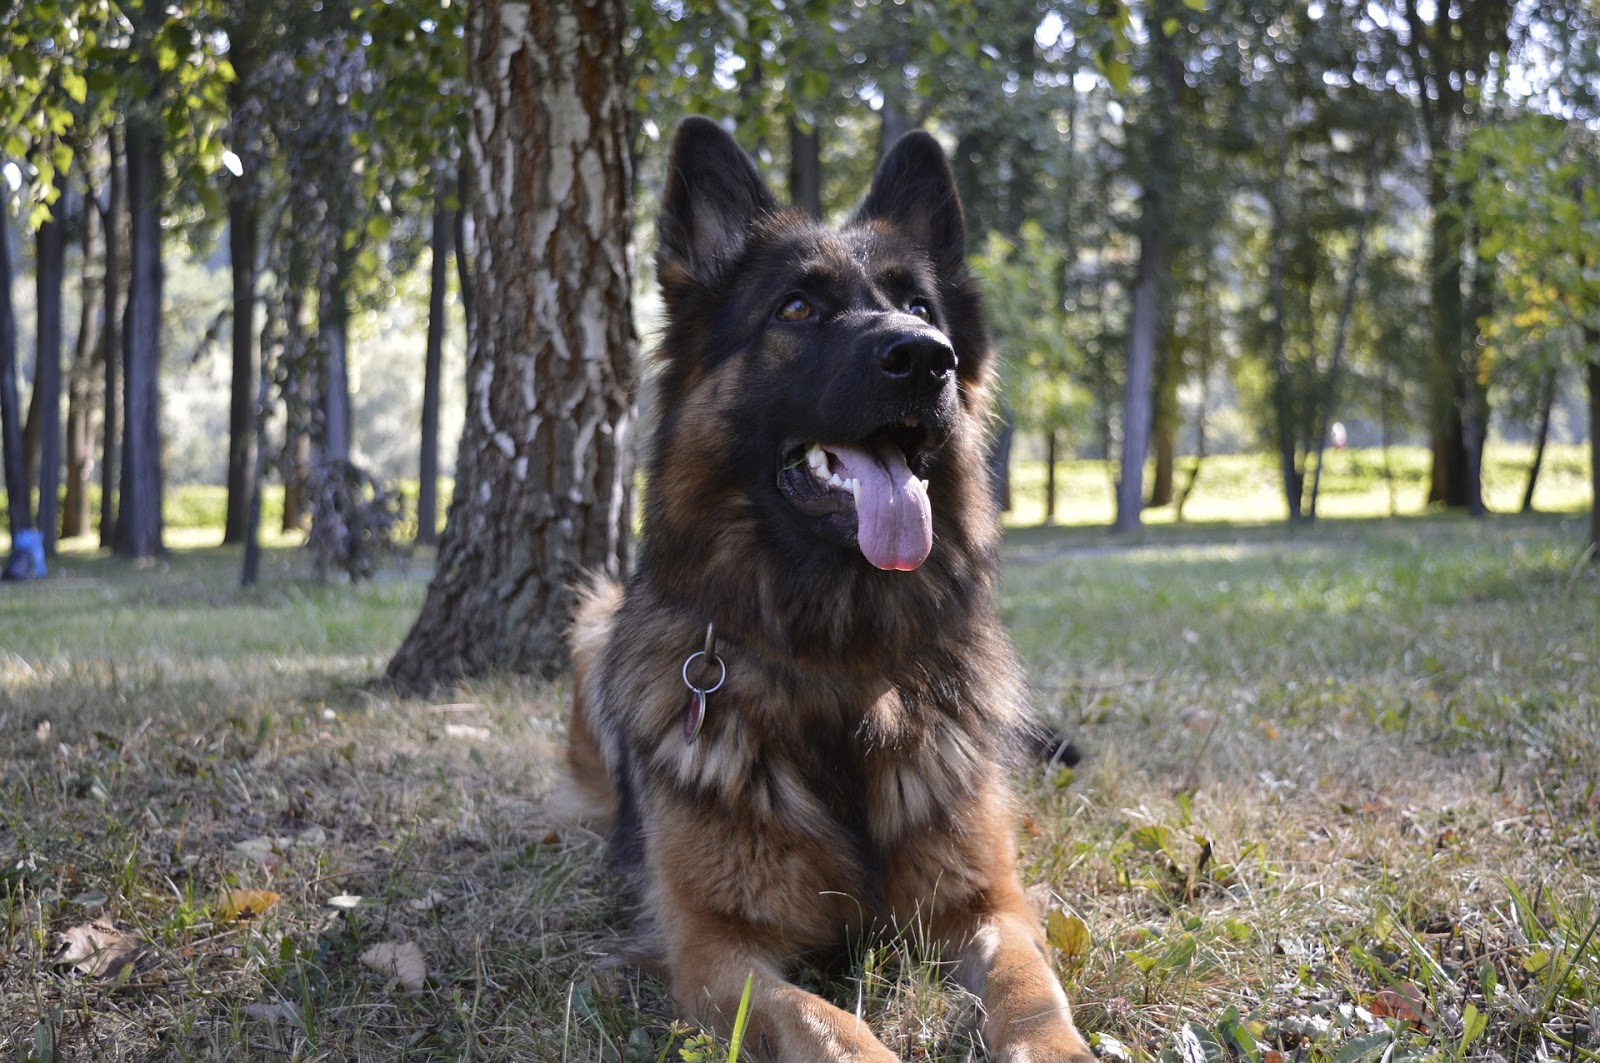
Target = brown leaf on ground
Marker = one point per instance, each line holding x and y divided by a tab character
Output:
96	949
1404	1002
399	960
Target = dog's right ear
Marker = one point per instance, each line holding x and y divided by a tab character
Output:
713	196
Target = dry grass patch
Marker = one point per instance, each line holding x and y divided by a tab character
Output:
1339	805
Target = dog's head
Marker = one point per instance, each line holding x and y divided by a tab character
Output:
826	385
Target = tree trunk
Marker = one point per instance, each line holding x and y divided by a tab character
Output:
80	390
296	467
333	329
1050	477
111	346
243	237
1156	209
49	278
805	169
432	369
1347	306
139	527
1547	399
1594	444
19	491
544	483
1137	396
1166	454
1451	483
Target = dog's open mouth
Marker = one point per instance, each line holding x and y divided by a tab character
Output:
867	491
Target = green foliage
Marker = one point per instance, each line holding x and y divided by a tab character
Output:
1536	202
1022	284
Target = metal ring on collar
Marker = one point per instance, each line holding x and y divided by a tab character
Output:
720	679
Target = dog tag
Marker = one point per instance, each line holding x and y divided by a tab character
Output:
694	714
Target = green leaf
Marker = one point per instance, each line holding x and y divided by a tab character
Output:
75	85
1367	1047
1473	1023
1195	5
1170	27
1068	933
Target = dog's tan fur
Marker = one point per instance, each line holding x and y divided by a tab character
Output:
848	776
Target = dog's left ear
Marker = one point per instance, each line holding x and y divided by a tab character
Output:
916	192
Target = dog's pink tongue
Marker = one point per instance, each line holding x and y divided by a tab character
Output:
894	519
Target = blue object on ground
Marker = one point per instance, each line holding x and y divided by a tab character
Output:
27	556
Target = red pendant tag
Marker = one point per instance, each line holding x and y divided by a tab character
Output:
694	715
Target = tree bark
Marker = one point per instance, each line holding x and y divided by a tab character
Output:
1137	397
111	345
49	277
544	481
244	221
432	369
1050	476
805	169
333	330
19	491
1155	266
80	391
139	524
1594	444
1166	458
1547	399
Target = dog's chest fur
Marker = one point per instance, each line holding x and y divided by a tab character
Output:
863	782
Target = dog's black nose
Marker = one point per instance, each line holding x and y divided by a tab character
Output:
915	357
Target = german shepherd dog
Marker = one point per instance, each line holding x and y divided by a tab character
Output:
829	757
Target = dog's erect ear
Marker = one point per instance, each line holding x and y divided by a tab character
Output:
915	191
713	196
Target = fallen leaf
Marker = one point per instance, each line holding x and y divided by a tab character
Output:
1405	1002
246	904
348	901
96	949
401	961
551	838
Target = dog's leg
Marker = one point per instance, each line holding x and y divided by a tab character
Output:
1001	956
710	958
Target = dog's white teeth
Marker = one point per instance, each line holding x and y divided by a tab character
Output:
816	457
835	481
924	484
854	487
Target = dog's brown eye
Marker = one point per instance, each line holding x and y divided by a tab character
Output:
920	309
794	308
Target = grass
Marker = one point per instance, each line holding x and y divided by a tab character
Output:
1339	804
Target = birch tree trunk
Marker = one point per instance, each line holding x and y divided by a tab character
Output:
544	478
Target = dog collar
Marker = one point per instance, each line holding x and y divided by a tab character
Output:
694	713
